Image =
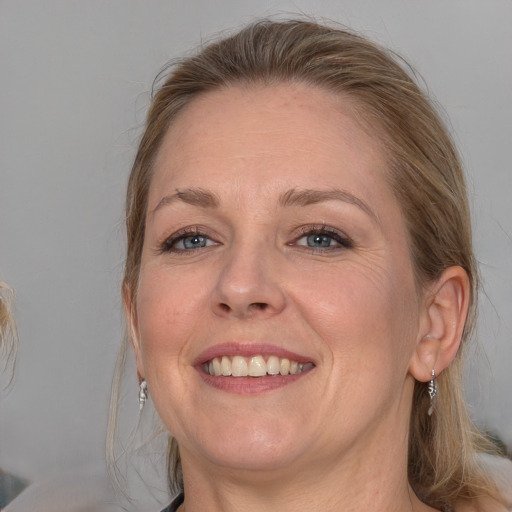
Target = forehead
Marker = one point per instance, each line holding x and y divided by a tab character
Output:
261	135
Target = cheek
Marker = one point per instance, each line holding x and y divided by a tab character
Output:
366	314
170	310
169	306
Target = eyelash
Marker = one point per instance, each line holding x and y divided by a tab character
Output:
169	244
344	241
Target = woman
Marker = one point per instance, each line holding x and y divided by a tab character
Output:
8	331
300	282
10	485
75	491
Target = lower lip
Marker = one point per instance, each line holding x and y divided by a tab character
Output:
250	385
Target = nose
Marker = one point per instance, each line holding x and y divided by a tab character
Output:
248	285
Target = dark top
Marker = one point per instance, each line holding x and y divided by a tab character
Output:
10	487
175	504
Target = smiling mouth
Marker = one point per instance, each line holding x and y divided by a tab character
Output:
255	366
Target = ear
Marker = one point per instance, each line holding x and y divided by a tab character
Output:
445	312
130	311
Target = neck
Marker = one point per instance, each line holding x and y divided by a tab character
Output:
368	477
233	494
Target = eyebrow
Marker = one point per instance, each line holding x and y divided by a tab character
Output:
296	197
293	197
193	196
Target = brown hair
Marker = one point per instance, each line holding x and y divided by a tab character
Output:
424	171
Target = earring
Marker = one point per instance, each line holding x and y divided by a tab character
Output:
143	394
432	392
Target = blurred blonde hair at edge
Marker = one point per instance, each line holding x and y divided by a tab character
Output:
8	333
424	171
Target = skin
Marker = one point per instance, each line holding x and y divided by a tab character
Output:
336	437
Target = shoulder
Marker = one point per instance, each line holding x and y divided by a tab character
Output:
482	505
500	471
84	488
10	487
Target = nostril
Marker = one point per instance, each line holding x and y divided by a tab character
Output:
243	309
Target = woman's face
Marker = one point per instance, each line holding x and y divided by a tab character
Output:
276	311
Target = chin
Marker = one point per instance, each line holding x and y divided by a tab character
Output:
253	460
252	447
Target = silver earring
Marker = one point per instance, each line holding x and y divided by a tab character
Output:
432	392
143	394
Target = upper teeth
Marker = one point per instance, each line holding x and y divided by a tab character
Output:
255	366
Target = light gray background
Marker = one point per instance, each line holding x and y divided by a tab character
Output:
74	81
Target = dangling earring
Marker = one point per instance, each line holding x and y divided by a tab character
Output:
432	392
143	394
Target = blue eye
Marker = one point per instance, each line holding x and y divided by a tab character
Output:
323	239
187	242
191	242
318	240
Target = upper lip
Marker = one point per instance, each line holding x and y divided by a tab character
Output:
247	349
